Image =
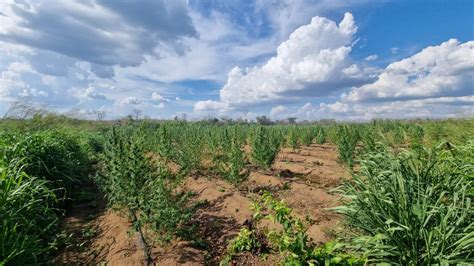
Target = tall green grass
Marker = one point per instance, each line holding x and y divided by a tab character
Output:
28	216
38	173
414	208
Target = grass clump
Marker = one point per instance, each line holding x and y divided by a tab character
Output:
38	174
414	208
28	216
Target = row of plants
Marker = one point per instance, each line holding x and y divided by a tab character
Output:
39	175
409	204
411	207
146	191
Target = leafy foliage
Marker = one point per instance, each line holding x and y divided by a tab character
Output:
292	242
28	216
413	208
293	140
265	147
38	173
131	182
234	162
347	138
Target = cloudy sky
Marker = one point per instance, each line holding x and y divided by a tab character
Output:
342	59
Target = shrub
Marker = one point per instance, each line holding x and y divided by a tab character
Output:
321	136
293	140
147	192
347	138
265	148
234	163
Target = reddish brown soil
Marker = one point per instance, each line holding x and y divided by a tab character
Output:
303	179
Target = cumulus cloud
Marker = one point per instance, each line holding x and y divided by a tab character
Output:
371	57
20	79
337	107
278	111
210	105
101	32
435	82
72	52
93	94
128	101
157	97
313	62
437	71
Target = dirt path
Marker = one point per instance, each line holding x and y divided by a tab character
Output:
303	179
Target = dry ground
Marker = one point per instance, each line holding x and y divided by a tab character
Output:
303	179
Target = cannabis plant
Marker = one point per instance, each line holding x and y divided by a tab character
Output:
265	148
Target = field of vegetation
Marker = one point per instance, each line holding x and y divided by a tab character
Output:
135	192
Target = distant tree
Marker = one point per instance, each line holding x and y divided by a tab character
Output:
226	119
101	115
291	120
136	113
213	120
263	120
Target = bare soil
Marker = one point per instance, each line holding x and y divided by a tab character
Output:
303	179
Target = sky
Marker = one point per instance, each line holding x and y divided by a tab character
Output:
350	60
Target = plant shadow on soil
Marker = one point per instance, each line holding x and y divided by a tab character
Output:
79	228
303	185
213	229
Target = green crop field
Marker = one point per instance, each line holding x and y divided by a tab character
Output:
407	198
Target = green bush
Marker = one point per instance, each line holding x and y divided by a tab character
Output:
234	162
293	140
146	191
347	137
265	147
321	136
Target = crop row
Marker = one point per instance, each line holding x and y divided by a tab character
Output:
409	201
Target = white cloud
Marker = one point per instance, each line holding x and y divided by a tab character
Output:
157	97
337	108
372	57
103	32
436	71
435	82
128	101
278	111
313	62
210	106
92	93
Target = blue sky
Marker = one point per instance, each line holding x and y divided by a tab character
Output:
348	60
